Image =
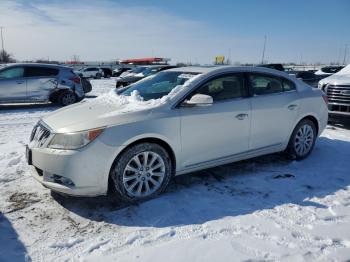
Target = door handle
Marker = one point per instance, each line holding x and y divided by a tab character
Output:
292	107
20	82
241	116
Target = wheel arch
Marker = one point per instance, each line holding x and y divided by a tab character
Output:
312	118
149	139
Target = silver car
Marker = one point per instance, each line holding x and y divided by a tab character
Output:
39	83
175	122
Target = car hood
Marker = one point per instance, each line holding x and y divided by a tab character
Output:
106	110
337	79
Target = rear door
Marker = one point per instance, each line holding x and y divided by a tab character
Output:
41	81
275	106
212	133
12	84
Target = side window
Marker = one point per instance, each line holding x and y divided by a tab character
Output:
34	71
13	72
288	85
264	85
224	87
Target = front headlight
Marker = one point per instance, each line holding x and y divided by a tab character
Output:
74	140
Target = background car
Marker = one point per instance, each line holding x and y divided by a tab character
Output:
118	71
149	70
39	83
122	80
107	72
307	76
90	72
179	121
337	88
278	67
328	70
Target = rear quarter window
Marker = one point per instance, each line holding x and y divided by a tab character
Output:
268	84
288	85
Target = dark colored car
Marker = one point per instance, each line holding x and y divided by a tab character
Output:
306	76
107	72
278	67
329	70
87	87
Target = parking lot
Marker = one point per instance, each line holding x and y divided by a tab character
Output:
268	207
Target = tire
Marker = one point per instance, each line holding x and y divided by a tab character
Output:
66	98
302	141
98	76
130	179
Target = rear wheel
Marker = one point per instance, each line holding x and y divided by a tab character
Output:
141	172
66	98
302	140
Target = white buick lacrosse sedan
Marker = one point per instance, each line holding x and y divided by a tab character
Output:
175	122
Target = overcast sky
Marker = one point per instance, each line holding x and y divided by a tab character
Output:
186	31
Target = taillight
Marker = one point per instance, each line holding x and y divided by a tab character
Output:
325	98
75	79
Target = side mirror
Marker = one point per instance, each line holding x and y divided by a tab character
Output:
199	100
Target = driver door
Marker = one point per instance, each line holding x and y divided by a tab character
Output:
219	130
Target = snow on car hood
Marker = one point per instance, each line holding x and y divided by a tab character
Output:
340	78
106	110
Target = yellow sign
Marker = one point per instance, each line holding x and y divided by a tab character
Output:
219	59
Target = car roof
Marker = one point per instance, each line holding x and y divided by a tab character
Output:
227	68
39	65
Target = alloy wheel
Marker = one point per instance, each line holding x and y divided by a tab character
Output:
143	174
303	141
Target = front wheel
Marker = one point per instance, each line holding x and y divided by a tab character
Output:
141	172
302	140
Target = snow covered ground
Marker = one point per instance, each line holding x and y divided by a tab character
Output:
267	208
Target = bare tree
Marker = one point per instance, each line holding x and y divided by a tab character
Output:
6	57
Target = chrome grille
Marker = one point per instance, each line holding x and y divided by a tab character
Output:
39	135
339	94
338	98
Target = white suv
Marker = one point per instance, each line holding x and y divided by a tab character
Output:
90	72
175	122
337	88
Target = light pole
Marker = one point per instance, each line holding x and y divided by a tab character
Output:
263	54
2	39
345	51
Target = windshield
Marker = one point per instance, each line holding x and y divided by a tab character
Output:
159	85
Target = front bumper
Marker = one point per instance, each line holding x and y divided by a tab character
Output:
82	172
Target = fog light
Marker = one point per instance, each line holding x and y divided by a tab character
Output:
62	180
